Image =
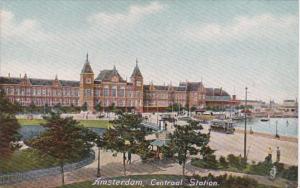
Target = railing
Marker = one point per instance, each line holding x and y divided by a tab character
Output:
33	174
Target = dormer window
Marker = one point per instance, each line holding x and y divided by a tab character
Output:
114	79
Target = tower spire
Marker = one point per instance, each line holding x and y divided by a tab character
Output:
87	56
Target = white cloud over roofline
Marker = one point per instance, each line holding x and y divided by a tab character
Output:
134	14
27	29
265	26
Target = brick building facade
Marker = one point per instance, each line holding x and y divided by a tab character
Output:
108	88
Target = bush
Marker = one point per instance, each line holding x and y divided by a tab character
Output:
261	168
235	161
223	162
211	162
291	173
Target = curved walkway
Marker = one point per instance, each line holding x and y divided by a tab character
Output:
112	166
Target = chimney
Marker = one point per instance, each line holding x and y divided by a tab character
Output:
20	76
8	75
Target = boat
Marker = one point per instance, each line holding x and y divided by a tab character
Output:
265	119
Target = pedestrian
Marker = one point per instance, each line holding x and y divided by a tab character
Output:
129	157
278	155
124	157
269	154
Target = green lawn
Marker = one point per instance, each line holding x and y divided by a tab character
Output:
87	123
26	160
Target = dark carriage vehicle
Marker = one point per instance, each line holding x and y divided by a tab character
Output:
224	126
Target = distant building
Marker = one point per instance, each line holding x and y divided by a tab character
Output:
289	108
256	105
109	88
217	98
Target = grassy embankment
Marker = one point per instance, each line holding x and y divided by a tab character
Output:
86	123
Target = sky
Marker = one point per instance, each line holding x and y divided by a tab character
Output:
230	44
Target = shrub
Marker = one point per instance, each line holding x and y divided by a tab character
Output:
211	162
223	162
235	161
261	168
291	173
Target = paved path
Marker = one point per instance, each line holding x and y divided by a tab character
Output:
112	166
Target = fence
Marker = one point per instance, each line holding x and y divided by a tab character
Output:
29	175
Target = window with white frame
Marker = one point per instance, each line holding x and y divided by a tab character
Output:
114	91
105	91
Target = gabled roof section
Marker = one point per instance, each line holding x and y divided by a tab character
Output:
215	92
87	67
107	75
136	71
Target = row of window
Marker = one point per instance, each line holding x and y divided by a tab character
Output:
114	92
121	103
42	102
41	92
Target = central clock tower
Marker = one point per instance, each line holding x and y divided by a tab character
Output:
86	90
138	86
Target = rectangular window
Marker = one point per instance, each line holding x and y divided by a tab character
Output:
114	91
121	92
105	91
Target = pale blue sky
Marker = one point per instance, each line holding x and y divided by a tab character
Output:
228	44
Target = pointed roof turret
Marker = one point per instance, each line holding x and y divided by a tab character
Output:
136	71
87	67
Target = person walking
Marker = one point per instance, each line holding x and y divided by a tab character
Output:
129	157
278	155
269	154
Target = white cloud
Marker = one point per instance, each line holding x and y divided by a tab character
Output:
134	14
264	26
27	29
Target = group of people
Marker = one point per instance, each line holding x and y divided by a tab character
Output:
269	157
128	157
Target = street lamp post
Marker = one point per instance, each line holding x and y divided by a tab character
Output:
98	166
245	130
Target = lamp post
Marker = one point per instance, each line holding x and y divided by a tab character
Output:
245	130
98	165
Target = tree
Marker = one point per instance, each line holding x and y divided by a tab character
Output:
64	139
100	143
98	107
84	107
112	107
193	108
187	140
32	107
126	134
47	109
9	126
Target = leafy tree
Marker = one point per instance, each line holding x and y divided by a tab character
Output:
47	109
126	134
32	107
193	108
112	107
99	143
98	107
84	107
187	140
9	127
64	139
